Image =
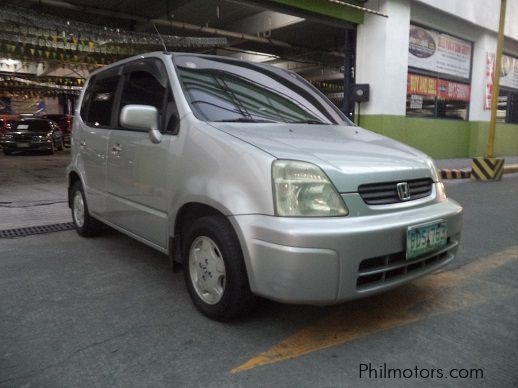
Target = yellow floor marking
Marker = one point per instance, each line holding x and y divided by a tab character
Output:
435	294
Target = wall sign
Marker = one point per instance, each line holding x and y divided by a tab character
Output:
508	75
438	52
436	87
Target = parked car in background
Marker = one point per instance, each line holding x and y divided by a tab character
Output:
65	123
255	182
6	121
32	134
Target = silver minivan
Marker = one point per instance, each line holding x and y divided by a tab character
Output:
255	182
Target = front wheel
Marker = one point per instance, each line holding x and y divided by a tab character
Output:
52	148
215	271
61	145
85	224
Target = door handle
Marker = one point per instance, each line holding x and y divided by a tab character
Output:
116	150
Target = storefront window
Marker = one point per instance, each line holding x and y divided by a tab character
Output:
507	107
507	111
436	98
439	68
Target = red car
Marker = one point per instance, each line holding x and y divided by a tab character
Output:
6	122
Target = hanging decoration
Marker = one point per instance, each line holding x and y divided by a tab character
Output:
29	35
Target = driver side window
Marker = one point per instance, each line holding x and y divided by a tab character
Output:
146	83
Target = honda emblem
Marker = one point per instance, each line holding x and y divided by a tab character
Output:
403	191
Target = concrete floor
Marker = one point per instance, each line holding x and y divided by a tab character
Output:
107	312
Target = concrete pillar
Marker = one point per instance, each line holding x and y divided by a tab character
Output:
382	57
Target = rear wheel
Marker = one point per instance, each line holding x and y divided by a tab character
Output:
215	271
8	152
85	224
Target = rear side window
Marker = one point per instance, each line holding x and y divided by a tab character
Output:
99	100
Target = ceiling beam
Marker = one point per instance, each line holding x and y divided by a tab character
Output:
264	22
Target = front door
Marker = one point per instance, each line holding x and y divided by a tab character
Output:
91	136
137	178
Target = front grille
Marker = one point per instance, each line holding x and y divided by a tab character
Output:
384	270
386	192
22	137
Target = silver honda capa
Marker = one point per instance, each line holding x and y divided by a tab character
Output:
255	182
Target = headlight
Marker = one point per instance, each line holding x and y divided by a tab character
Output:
6	137
302	189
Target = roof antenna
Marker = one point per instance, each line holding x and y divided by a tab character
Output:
161	39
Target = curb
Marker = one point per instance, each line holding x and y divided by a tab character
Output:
465	173
453	173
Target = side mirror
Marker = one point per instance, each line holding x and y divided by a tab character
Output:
142	117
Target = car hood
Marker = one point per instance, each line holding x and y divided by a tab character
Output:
349	155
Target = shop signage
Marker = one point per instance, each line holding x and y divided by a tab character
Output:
438	52
447	90
440	88
508	75
424	86
509	72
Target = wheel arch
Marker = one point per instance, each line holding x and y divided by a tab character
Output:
73	177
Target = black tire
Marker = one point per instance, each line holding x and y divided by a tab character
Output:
61	146
236	297
52	149
8	152
89	227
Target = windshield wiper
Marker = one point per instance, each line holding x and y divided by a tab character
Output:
309	121
244	120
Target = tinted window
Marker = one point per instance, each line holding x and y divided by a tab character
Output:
221	89
143	88
33	126
101	101
146	83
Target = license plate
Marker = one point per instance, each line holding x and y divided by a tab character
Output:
422	239
22	145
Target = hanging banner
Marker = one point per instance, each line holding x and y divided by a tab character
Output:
438	52
490	78
447	90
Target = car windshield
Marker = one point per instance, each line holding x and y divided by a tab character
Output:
227	90
32	126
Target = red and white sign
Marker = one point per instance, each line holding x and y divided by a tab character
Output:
447	90
490	79
442	89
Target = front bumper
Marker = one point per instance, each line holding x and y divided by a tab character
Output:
26	146
331	260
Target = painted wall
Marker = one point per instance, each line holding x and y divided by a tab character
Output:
444	139
479	12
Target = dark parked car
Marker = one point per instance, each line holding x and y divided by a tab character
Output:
32	135
65	123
